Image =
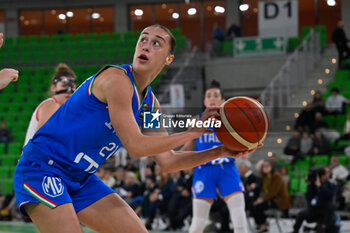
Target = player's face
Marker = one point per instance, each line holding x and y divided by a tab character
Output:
213	98
64	84
152	49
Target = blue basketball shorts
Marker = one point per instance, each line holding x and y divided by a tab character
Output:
207	178
40	182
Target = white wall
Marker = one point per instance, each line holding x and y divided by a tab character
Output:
243	76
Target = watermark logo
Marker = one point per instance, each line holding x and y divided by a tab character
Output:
52	186
151	120
154	120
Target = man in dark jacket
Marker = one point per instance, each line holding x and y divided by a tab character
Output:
340	40
320	196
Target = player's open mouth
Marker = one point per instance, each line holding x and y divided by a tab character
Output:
143	57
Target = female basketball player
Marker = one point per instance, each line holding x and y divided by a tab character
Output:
62	87
6	75
220	174
54	179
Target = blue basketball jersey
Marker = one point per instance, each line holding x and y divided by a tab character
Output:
79	136
208	141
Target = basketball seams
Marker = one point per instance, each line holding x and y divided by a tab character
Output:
233	132
256	132
261	109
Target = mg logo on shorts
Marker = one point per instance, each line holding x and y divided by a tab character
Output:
52	186
199	186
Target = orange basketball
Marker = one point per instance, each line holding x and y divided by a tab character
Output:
244	123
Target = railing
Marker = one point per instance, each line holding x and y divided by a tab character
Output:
292	74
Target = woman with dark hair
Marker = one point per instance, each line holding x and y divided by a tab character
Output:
219	174
273	194
63	84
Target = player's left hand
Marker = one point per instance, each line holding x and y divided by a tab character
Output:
240	154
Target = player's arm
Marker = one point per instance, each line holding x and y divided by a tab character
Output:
45	111
171	161
113	87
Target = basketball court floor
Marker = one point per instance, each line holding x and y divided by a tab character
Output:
286	225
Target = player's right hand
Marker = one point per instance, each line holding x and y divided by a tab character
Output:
6	76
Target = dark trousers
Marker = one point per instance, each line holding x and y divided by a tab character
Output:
325	216
343	53
258	212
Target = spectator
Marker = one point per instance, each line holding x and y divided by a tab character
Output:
250	181
275	164
293	147
305	119
218	36
341	42
306	144
273	194
320	196
318	123
285	175
105	174
133	190
320	144
338	171
181	197
233	31
335	103
318	104
346	135
130	166
5	135
119	177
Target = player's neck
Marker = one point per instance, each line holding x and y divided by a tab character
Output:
142	81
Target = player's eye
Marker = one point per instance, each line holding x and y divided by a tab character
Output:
156	43
143	40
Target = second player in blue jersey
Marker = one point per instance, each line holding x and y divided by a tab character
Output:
220	174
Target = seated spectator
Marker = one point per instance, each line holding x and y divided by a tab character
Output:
250	181
335	103
130	166
338	171
285	175
5	135
273	194
180	197
320	197
318	104
133	190
119	177
105	174
346	134
320	144
274	161
293	147
305	119
306	144
157	198
318	123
